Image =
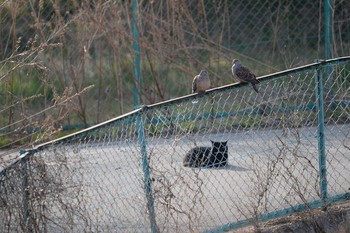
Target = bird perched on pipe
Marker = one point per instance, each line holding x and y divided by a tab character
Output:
201	82
243	74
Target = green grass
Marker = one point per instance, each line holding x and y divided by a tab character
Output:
11	140
4	141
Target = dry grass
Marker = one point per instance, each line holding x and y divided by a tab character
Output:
336	219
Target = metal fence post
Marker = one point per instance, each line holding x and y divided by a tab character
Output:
328	39
146	173
328	45
137	56
321	134
25	191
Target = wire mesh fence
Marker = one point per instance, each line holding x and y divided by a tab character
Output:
72	60
201	163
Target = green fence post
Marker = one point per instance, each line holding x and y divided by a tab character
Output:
146	173
328	46
328	53
137	55
328	38
25	191
321	134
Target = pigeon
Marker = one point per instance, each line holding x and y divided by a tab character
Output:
201	82
243	74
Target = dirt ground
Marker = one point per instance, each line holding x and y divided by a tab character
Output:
333	219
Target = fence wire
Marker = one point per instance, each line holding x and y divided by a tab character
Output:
287	151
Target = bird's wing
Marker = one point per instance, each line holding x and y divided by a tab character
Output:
245	74
194	84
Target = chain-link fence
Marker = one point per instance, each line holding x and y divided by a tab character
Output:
66	62
156	169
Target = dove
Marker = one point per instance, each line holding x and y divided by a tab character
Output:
201	82
243	74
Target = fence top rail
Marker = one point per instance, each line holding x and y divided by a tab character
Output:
261	78
25	153
174	101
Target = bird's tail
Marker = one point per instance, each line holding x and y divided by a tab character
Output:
255	88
